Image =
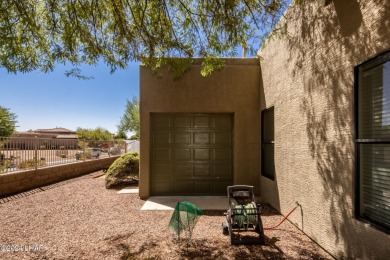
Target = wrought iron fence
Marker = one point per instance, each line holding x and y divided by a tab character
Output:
23	153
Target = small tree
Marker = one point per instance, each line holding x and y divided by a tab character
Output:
38	35
99	133
7	122
120	135
130	119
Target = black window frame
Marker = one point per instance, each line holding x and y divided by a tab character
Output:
369	64
264	142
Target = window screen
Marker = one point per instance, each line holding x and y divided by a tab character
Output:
373	141
267	143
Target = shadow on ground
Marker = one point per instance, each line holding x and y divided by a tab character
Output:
206	249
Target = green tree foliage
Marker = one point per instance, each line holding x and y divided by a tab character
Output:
39	34
98	133
120	135
130	119
7	122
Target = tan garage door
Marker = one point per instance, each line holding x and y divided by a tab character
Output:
191	154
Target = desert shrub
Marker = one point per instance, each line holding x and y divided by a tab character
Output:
123	170
84	155
30	164
3	164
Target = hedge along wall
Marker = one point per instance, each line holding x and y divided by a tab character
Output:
15	182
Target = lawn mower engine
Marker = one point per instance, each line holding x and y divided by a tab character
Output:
243	215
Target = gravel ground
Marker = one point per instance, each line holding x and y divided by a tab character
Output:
80	219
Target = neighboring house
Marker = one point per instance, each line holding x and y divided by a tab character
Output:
50	138
309	123
57	132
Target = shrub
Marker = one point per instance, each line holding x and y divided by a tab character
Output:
83	155
3	164
123	170
30	164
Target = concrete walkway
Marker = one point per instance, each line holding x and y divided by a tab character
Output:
169	202
202	202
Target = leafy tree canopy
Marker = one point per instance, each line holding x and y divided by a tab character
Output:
120	135
130	119
98	133
38	34
7	122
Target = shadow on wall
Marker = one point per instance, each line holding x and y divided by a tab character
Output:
331	42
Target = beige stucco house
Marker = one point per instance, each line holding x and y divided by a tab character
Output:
308	122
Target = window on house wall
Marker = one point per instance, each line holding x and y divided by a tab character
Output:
373	141
267	143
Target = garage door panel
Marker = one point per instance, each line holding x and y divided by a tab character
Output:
182	138
182	121
222	154
223	138
182	187
221	187
191	154
161	139
162	187
203	187
202	171
163	171
202	154
182	154
161	121
202	121
182	171
223	171
202	138
161	154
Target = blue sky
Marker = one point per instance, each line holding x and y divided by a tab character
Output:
53	100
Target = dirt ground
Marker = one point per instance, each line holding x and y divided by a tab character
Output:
80	219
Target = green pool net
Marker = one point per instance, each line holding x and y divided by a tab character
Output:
184	218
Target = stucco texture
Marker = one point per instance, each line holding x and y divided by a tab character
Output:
308	76
234	89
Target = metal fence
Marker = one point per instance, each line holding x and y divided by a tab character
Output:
22	153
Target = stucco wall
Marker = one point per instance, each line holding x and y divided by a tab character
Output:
234	89
308	77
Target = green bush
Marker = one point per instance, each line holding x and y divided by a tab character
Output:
123	170
83	155
3	164
30	164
